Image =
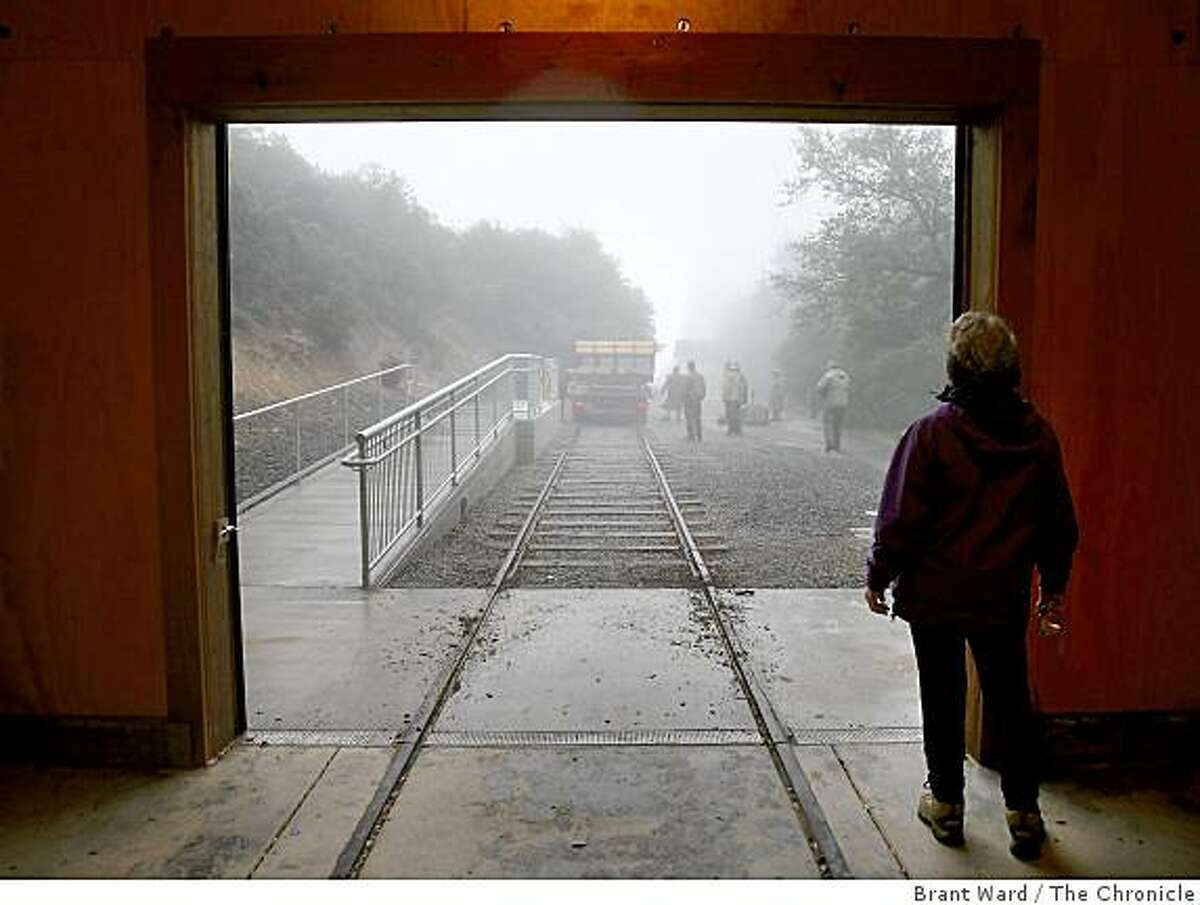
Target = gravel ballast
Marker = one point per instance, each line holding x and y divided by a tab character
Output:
786	513
469	556
792	515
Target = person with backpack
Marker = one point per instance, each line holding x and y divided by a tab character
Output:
833	393
735	393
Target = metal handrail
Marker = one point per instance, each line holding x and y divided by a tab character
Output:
278	454
408	463
355	462
445	391
321	392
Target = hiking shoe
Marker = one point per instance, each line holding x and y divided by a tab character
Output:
944	820
1028	834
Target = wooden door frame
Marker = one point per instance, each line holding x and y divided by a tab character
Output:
195	84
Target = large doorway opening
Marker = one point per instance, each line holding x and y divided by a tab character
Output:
810	266
986	94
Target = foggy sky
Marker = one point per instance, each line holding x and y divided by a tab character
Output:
690	210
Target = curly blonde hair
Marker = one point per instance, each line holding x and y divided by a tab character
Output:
982	350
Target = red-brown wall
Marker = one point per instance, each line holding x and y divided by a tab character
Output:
1113	324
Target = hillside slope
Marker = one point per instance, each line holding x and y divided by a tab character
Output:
334	275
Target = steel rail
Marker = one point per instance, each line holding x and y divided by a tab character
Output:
354	855
824	845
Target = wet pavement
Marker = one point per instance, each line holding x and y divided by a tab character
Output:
343	659
533	782
599	660
694	812
828	663
306	536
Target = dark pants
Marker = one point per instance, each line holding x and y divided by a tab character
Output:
691	413
1000	660
832	421
733	417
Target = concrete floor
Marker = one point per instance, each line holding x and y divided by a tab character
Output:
675	812
566	812
343	659
599	660
827	662
305	536
485	801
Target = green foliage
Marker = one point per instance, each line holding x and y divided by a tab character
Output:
802	357
330	261
542	292
878	271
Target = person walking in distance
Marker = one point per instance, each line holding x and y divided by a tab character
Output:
974	499
694	391
735	393
672	392
833	393
777	395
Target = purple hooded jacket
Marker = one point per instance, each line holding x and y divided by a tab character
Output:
973	500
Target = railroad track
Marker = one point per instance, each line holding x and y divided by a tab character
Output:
606	508
605	519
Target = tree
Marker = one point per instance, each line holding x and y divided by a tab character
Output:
879	269
332	272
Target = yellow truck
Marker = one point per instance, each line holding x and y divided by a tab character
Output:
610	379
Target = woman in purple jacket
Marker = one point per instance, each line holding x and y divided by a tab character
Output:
974	499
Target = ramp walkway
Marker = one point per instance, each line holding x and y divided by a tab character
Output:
319	524
306	536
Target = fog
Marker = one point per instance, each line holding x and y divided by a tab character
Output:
692	211
778	245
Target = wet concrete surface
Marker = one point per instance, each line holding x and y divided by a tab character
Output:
306	536
216	822
600	659
344	659
612	812
651	811
310	843
826	660
868	852
600	810
1136	831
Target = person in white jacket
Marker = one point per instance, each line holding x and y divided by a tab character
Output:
735	393
833	392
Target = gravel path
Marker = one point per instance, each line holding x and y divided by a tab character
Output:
790	514
793	515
